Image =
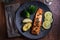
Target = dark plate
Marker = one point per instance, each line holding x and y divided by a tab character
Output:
19	19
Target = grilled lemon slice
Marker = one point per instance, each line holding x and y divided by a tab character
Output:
48	17
49	20
48	14
46	25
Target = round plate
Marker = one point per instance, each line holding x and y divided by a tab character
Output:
19	19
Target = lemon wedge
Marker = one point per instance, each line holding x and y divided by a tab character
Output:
27	26
27	20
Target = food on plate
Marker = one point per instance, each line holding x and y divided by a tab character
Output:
47	20
25	14
37	22
46	25
48	14
27	26
32	9
27	20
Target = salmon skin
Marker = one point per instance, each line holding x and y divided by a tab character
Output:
37	22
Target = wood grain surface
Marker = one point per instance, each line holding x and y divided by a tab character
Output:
54	34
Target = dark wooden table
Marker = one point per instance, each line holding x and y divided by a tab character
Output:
54	34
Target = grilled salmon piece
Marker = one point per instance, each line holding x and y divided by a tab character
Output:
37	22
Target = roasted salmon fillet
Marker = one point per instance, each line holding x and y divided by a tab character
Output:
37	22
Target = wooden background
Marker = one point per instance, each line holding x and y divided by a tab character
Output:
54	34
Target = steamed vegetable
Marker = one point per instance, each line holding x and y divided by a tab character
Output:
25	14
27	26
32	9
